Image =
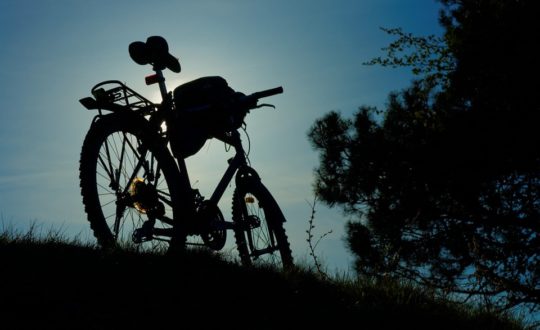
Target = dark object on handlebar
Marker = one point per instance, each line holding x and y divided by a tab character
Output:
198	113
202	91
207	107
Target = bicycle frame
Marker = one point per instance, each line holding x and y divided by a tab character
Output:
232	138
235	163
162	111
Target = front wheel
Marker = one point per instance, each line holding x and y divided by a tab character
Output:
259	233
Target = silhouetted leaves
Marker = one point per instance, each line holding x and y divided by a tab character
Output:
427	56
445	185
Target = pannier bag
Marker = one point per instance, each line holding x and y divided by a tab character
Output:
193	128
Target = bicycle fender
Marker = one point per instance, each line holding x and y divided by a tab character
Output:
246	174
127	116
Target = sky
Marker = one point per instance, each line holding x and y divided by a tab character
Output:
54	51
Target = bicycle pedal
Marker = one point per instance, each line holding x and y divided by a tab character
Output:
141	235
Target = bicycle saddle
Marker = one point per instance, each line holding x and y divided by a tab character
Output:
154	51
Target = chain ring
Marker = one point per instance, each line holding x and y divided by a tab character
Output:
213	232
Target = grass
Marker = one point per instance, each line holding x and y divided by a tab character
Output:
54	282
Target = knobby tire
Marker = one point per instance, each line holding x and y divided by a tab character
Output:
259	225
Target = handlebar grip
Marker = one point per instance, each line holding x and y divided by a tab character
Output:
268	92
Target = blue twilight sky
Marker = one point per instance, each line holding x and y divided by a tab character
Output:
54	51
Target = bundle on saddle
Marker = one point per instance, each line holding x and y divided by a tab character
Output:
205	107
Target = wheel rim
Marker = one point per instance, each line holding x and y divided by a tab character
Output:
132	190
261	237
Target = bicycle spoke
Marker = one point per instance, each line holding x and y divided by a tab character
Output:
104	188
121	160
104	166
134	174
108	154
109	203
163	199
266	239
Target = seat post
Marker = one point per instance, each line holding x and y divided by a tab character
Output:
161	82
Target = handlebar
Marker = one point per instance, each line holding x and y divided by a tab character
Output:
251	100
268	92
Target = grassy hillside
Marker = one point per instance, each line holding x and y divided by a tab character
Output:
56	285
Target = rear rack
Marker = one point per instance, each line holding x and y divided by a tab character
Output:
114	95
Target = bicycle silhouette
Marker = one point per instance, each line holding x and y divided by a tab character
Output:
133	176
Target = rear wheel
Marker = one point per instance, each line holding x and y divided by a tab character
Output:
259	233
127	178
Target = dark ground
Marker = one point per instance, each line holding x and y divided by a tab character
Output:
61	286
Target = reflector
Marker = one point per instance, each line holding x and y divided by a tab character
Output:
151	79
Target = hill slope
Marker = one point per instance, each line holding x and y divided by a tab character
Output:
59	285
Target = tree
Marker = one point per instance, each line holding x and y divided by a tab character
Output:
445	189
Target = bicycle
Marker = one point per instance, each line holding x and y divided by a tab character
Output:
133	176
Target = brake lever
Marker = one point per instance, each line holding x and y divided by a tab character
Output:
265	105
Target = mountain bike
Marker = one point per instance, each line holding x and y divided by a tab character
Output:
133	176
